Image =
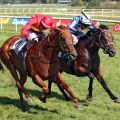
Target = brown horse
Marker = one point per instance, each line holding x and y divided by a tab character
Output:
88	60
41	61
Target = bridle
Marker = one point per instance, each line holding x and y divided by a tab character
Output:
108	42
99	42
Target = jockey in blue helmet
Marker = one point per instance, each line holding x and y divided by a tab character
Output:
78	24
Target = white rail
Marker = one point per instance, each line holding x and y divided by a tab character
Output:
59	11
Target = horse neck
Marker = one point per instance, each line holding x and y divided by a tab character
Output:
87	45
92	46
47	48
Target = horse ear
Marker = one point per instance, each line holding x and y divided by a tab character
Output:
102	26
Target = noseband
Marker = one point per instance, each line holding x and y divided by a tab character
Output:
100	42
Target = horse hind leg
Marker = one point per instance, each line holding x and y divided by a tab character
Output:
39	82
1	67
23	78
13	72
49	87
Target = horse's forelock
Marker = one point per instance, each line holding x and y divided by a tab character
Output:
63	27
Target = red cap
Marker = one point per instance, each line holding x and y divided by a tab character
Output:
47	22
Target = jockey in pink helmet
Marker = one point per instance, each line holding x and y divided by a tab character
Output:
33	30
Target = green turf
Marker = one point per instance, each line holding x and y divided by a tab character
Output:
56	108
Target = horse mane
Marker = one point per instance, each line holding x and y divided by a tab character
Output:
89	32
85	37
104	27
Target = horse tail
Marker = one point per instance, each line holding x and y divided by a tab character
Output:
1	66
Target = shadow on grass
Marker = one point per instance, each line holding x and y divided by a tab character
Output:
56	95
39	93
15	102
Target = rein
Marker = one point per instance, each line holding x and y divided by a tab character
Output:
99	39
45	62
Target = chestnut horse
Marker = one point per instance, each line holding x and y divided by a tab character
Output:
88	60
42	62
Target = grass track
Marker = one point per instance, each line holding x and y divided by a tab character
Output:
56	108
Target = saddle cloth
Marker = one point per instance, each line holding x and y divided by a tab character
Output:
20	47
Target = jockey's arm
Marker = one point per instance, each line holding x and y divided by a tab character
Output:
74	24
27	27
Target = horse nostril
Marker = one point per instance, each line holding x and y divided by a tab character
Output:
112	52
73	56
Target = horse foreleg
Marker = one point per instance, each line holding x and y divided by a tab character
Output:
64	93
60	88
49	87
104	85
38	81
17	80
23	78
60	82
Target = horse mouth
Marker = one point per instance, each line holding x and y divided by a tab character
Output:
110	52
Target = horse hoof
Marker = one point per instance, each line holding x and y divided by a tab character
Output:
43	99
117	100
79	107
89	98
23	107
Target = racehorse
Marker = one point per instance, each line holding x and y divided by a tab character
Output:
88	60
41	62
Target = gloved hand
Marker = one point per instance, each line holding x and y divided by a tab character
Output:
92	27
33	37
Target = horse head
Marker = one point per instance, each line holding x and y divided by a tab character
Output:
104	40
64	41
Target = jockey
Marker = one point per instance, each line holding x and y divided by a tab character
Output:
33	31
78	24
76	27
